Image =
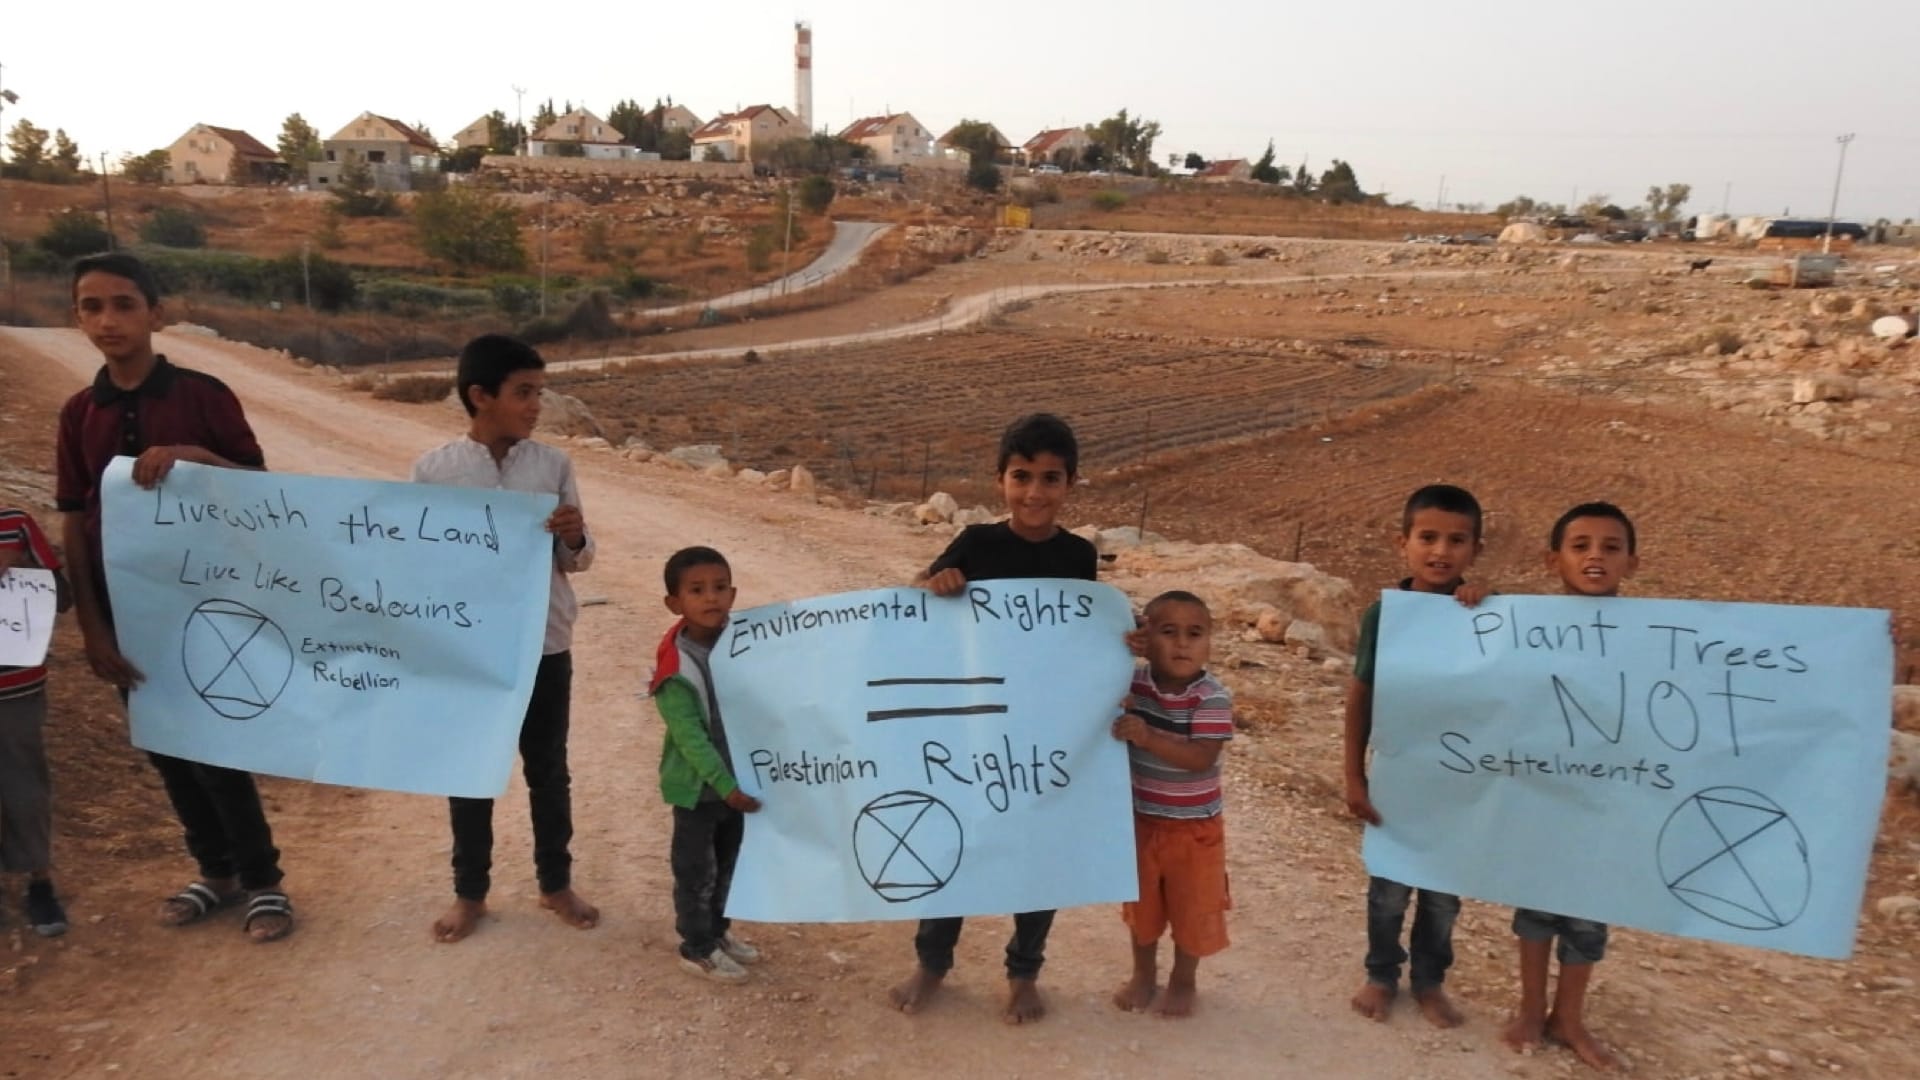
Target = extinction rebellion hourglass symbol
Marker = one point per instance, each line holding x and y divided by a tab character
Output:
1733	855
235	658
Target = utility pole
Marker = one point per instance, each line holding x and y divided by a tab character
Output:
1726	199
1833	208
106	195
786	253
306	278
519	118
1440	197
545	197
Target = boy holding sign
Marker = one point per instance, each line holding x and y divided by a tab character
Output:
1593	549
26	790
144	407
696	767
1439	538
1039	457
500	380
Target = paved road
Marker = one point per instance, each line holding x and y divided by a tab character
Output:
850	238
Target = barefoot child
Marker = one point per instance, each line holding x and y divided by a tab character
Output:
1439	538
1592	549
696	767
26	790
142	406
1038	460
1178	720
499	381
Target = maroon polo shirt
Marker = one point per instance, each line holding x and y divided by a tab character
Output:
173	406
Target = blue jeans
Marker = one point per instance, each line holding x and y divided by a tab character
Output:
1431	942
1582	941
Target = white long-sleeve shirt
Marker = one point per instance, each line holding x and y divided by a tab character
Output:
528	466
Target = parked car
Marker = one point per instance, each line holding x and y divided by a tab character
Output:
1051	170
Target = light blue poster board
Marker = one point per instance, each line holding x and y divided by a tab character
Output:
1702	769
353	632
921	756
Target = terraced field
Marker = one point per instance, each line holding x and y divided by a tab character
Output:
885	418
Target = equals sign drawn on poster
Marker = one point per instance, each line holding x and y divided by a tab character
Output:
876	715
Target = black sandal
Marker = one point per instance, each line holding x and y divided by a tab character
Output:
264	904
194	903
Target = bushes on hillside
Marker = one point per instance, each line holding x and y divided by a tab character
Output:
173	227
74	233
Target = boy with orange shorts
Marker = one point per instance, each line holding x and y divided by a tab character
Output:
1178	720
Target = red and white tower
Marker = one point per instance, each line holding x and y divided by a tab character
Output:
803	75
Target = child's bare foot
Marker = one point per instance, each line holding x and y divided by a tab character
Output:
572	910
1374	1000
916	991
1437	1009
1523	1033
461	919
1137	994
1177	1002
1023	1002
1582	1042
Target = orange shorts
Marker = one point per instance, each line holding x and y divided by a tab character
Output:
1183	883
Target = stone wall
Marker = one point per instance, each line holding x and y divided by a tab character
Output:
666	170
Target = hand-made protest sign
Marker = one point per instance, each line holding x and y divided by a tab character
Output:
28	603
353	632
924	756
1702	769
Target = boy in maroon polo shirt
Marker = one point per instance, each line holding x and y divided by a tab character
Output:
144	407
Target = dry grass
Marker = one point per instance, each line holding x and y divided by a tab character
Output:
415	389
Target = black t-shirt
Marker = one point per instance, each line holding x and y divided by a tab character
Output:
986	552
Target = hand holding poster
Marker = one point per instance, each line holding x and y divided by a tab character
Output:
1709	770
28	603
348	631
922	756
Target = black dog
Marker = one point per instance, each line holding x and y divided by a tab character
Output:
1697	265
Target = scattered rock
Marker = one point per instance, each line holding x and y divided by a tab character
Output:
719	470
1899	908
751	476
1271	625
1890	328
1815	388
800	481
700	456
563	414
1310	635
1903	761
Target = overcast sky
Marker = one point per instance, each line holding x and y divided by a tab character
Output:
1499	97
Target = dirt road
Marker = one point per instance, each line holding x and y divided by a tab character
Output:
361	990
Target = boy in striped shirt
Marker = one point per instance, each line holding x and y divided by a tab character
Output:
1178	720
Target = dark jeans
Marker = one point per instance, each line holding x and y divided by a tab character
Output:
543	759
1431	942
1026	949
706	845
227	832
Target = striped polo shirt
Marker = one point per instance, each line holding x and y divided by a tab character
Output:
1203	710
19	532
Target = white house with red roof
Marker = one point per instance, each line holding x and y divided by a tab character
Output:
733	136
895	139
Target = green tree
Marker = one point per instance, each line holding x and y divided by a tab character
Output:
469	229
299	143
544	116
1125	141
26	144
676	145
596	240
714	153
1664	204
1302	179
355	194
173	227
464	160
816	194
1264	171
74	233
66	155
1518	206
631	121
1196	162
983	175
502	137
1339	185
147	168
566	148
976	137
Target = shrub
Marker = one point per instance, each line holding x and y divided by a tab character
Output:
761	244
592	318
1109	201
514	297
983	175
176	228
1218	257
542	331
596	240
412	297
637	286
469	229
816	194
1158	256
74	233
415	389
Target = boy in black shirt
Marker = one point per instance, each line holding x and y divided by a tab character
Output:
1038	460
